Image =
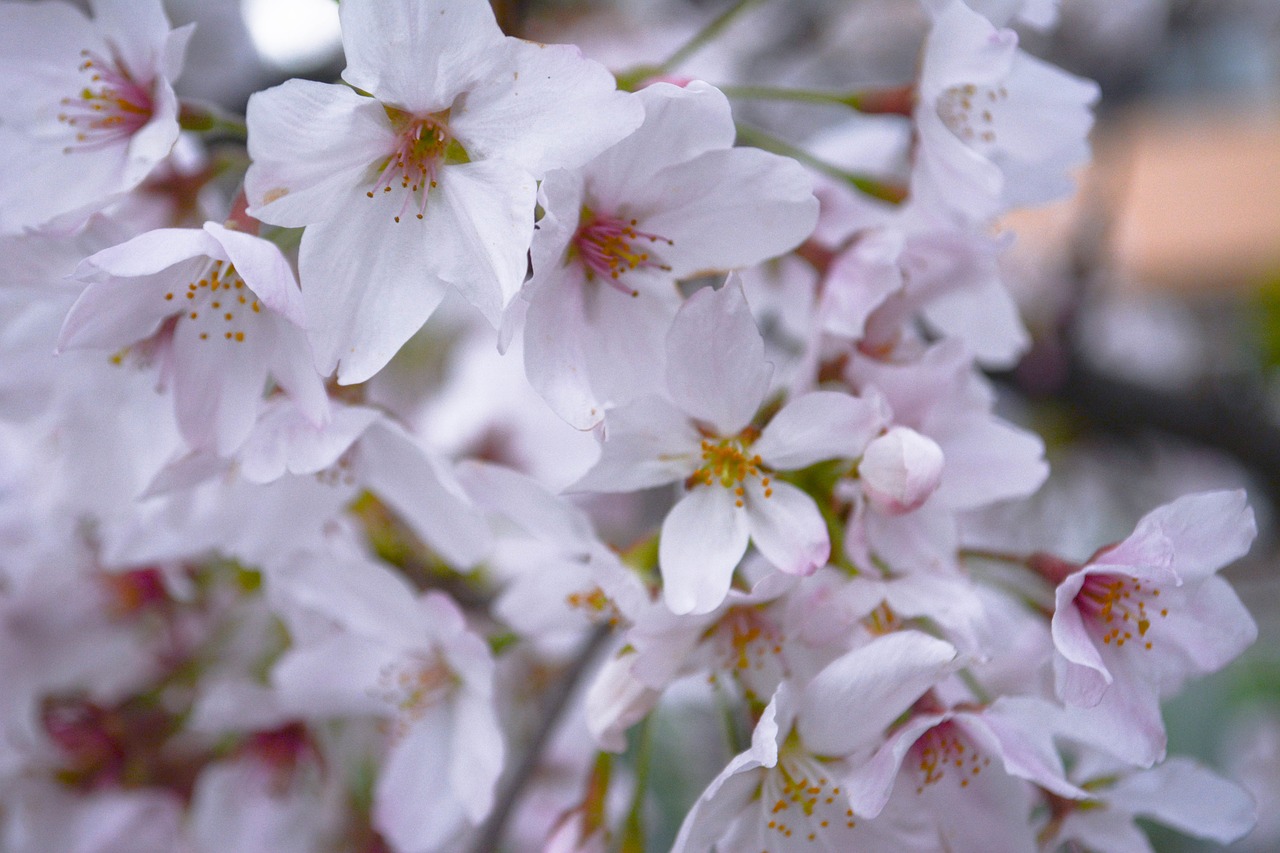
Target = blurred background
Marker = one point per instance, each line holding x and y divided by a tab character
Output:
1153	295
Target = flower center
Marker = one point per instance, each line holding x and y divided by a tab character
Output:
111	107
423	146
748	639
969	111
727	462
800	798
596	605
608	246
215	300
413	685
1117	604
944	749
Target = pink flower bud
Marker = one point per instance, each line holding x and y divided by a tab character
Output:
900	469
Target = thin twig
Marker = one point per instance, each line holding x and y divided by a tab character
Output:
757	138
490	834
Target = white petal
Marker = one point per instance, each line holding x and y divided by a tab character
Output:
417	55
545	107
786	527
647	443
367	286
716	370
852	701
714	224
479	224
819	425
311	144
680	122
703	538
263	267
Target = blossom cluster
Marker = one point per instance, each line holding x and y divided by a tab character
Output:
483	369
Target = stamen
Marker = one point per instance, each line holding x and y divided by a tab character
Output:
219	276
606	247
967	111
1117	606
110	108
423	146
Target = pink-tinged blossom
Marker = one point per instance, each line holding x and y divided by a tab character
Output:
902	265
787	792
365	644
900	470
998	128
1141	617
92	110
219	309
41	817
938	397
427	181
1179	793
963	763
717	379
671	201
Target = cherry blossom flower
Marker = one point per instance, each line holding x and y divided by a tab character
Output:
366	644
909	263
788	791
427	181
1179	793
95	113
717	378
1142	616
218	308
998	128
906	511
672	200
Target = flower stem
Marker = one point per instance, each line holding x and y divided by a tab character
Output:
489	836
206	118
632	78
632	840
870	186
895	101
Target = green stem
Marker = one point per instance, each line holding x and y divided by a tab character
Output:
706	35
894	101
997	556
632	840
870	186
979	692
632	78
203	118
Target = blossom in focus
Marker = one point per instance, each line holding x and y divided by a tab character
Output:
219	309
420	174
1141	617
717	379
788	790
91	111
671	201
998	128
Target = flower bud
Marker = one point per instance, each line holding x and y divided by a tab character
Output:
900	469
